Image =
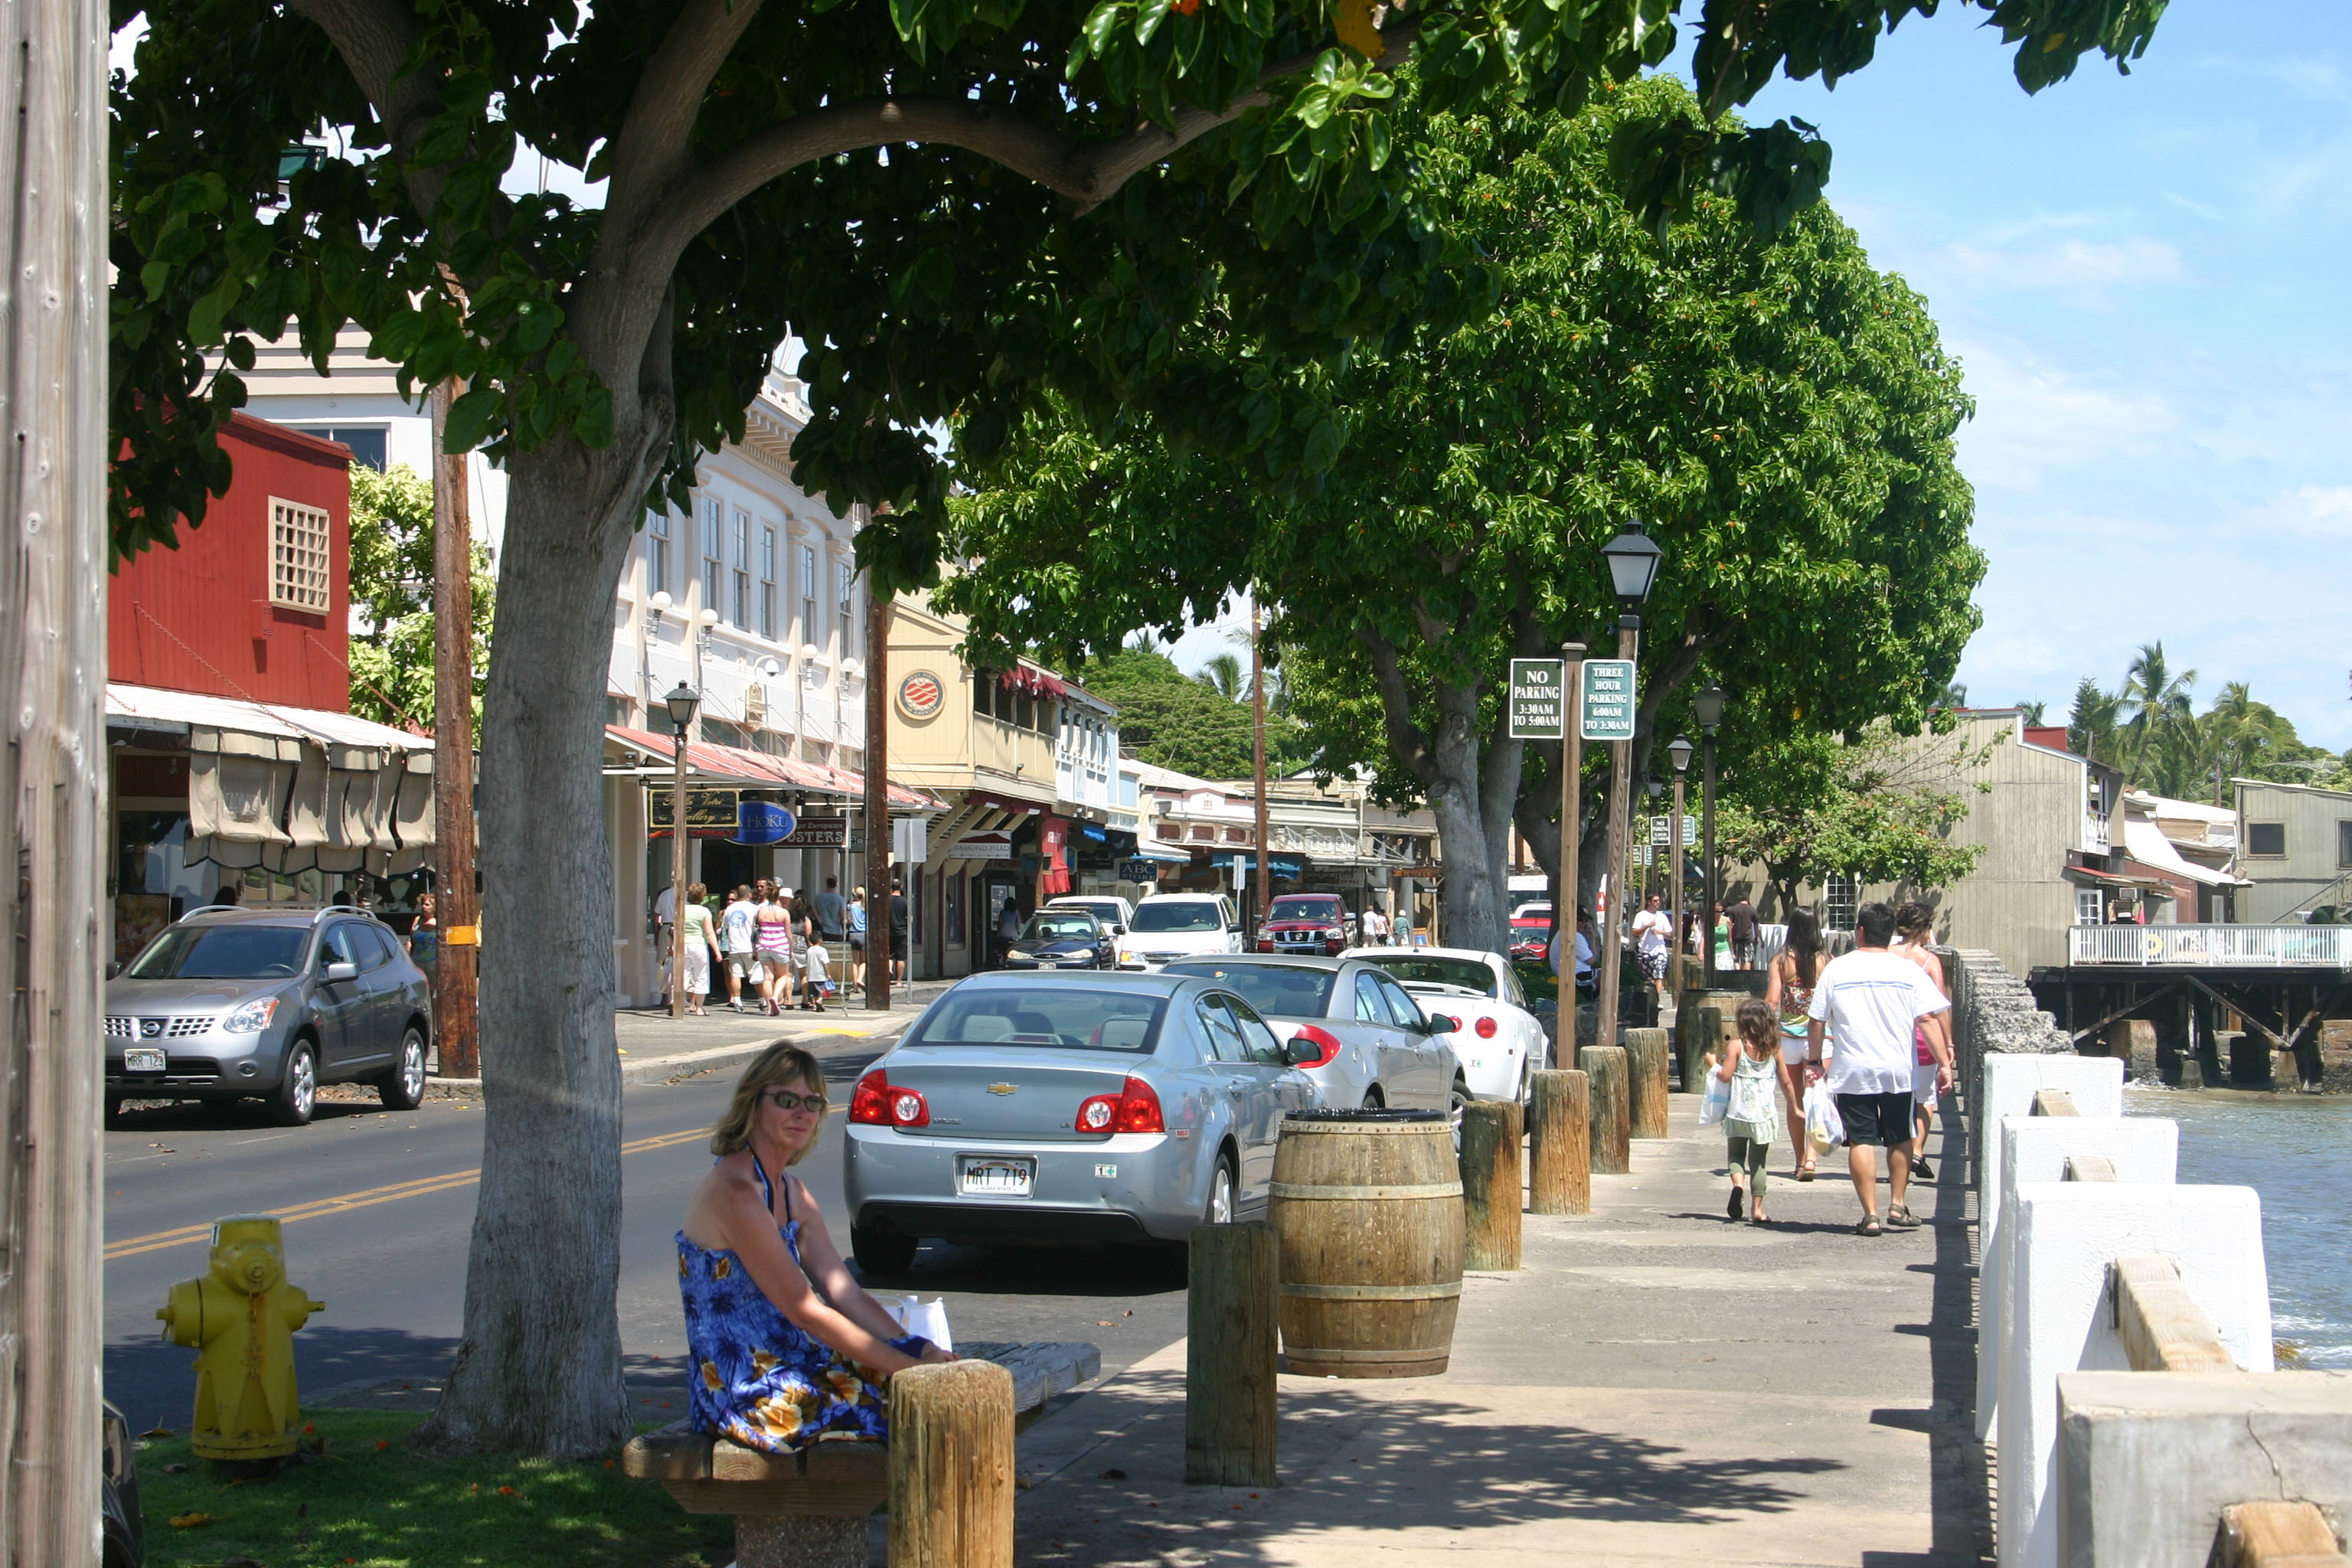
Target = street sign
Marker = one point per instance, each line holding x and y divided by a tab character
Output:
1608	699
1662	829
1539	691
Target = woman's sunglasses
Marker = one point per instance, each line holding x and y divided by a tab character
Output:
791	1099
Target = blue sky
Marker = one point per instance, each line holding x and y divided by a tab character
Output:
2145	278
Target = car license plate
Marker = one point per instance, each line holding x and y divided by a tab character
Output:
142	1058
981	1178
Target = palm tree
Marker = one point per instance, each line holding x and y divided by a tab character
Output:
2032	712
1223	674
2091	727
2158	701
2238	729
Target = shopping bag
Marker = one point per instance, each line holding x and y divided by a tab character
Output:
1823	1126
1717	1101
928	1319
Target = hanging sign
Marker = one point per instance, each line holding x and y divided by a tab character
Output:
1608	699
709	812
762	822
818	833
1538	697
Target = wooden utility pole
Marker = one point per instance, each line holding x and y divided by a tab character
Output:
456	905
1571	770
1257	762
877	801
53	778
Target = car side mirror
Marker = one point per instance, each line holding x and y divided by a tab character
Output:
1439	1024
114	969
336	971
1298	1053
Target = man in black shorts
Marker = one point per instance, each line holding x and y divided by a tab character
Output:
1741	917
1869	1000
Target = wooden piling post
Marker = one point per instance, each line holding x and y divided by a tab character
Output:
1559	1143
951	1467
1230	1356
1697	1031
1490	1183
1646	1081
1611	1129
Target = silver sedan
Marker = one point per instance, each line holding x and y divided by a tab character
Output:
1375	1044
1067	1107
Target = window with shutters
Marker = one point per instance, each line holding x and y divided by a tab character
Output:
301	565
768	583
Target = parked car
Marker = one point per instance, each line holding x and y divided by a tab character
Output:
1374	1043
1531	930
1500	1040
232	1003
1060	939
123	1531
1108	1107
1179	925
1306	923
1116	913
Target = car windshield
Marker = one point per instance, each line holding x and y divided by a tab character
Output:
1289	909
1047	1015
1107	913
1057	927
1466	973
223	953
1278	990
1189	914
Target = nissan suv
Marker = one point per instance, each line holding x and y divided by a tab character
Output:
231	1003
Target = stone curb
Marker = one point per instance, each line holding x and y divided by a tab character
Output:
686	1064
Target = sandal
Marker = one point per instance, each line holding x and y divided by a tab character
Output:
1759	1219
1901	1217
1738	1196
1804	1172
1869	1226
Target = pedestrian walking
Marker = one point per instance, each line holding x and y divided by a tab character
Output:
858	941
898	933
664	914
1008	928
1871	999
1582	977
803	926
832	923
1375	926
1722	938
1755	1070
424	941
772	941
1789	992
1653	931
738	943
1741	918
701	947
1914	928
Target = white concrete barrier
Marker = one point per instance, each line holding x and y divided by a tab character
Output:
2009	1085
2064	1236
2036	1148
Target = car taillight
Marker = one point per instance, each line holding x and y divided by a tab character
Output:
879	1102
1266	945
1486	1027
1326	1043
1135	1109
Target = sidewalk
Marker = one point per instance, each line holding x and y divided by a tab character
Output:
1655	1385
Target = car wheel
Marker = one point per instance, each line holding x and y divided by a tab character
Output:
113	1110
1456	1101
1220	1208
403	1089
880	1252
298	1091
1374	1099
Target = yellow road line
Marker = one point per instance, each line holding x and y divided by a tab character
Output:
131	1246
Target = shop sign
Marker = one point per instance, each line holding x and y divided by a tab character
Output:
1537	691
1608	699
818	833
921	695
762	822
984	846
709	812
1138	871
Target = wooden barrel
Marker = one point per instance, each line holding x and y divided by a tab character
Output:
1367	1209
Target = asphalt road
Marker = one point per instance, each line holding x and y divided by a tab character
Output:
380	1208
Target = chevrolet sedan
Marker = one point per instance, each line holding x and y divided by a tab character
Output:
1102	1108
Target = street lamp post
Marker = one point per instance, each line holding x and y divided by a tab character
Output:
1680	750
1708	705
682	701
1632	558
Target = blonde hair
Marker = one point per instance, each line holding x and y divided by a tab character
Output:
780	1064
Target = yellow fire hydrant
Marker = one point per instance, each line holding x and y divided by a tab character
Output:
241	1317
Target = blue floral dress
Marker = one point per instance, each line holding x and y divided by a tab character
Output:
757	1380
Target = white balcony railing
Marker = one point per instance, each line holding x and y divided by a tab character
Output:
2242	947
2094	831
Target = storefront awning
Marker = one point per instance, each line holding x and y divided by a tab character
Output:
1147	849
291	789
761	770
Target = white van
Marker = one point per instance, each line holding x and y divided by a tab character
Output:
1179	925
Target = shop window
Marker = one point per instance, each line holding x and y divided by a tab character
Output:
951	914
2267	839
301	570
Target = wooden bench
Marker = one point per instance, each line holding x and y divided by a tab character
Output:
808	1510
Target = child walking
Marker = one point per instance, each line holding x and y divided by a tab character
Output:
1754	1067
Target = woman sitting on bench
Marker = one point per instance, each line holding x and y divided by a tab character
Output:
785	1349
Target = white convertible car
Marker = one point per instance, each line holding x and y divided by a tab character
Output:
1499	1042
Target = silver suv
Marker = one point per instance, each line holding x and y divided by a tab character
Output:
233	1004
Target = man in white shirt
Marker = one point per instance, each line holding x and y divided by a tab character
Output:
1653	931
1374	926
664	944
1871	999
738	931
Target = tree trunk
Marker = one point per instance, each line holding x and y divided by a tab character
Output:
539	1370
1471	795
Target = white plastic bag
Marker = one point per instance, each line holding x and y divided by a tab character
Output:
1823	1126
1717	1101
928	1319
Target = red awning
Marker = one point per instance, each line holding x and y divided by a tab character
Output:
764	770
1029	678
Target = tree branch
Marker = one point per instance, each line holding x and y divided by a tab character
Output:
1407	741
650	151
375	39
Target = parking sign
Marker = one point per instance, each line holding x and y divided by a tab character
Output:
1539	694
1608	699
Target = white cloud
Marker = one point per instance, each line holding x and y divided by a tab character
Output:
2134	263
2034	416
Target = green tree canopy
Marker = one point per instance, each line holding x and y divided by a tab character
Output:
391	592
1173	721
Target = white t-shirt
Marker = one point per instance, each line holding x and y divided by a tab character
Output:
1871	999
1374	925
738	925
665	905
1652	929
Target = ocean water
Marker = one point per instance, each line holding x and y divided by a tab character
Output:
2296	1152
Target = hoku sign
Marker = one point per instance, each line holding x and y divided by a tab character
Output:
1538	700
1608	704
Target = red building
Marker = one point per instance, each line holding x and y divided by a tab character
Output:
256	603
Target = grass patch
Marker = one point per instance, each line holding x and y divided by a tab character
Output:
369	1500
